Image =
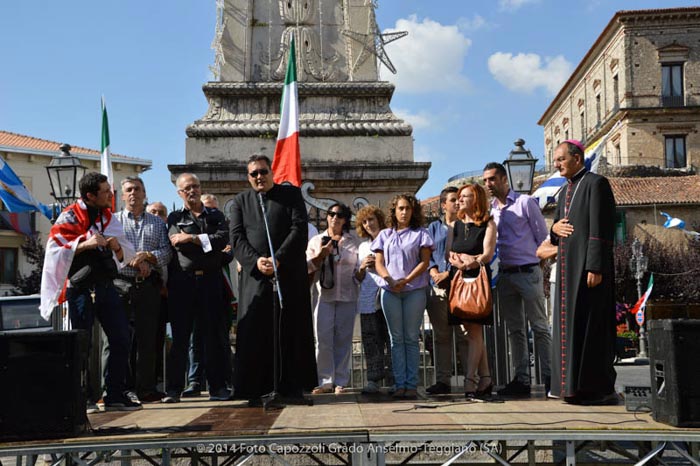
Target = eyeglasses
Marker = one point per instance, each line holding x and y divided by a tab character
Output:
332	214
192	187
261	171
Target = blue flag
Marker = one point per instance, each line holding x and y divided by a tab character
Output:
15	195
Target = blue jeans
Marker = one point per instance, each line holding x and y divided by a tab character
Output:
108	310
404	314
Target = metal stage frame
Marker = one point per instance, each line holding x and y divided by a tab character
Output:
505	447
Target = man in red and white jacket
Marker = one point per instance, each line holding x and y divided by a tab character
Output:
86	248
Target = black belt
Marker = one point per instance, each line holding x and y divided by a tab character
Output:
154	277
527	268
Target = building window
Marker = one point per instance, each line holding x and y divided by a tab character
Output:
597	110
672	85
566	134
620	227
583	126
616	92
675	152
618	155
8	265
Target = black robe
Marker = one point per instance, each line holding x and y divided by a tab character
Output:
584	318
288	221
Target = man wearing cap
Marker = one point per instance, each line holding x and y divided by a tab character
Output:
521	229
584	310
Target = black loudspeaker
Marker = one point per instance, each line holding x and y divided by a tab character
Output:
674	345
42	384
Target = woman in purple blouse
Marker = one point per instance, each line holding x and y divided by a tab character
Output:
402	258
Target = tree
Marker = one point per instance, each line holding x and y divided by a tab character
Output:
33	250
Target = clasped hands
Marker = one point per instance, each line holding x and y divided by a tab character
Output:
396	286
564	229
264	265
463	261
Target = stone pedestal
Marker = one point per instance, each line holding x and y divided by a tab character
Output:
353	148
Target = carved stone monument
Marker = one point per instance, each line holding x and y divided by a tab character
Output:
353	148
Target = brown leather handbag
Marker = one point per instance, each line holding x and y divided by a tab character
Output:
471	299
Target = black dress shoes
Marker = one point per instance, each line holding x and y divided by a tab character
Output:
611	399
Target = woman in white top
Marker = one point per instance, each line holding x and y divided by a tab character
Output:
369	221
332	257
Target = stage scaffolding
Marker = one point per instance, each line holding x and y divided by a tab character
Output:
375	449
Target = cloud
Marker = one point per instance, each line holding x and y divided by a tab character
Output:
525	72
421	120
513	5
430	58
425	153
475	23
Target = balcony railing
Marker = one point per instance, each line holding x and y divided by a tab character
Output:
672	101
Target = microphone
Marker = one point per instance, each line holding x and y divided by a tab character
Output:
261	200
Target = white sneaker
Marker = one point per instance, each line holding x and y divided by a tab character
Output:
371	387
91	408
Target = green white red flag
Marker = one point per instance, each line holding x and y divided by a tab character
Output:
106	158
641	304
286	164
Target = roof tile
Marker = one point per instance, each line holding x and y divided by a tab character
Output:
656	190
29	142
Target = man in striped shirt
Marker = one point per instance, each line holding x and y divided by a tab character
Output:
148	234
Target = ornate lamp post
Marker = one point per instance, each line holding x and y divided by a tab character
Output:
520	167
65	170
638	265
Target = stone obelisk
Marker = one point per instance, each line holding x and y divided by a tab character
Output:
353	148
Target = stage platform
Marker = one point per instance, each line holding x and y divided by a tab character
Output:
370	430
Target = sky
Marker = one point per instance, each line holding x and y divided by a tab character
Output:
472	75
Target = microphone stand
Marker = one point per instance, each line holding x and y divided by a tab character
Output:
277	306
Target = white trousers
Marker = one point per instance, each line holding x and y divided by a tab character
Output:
333	326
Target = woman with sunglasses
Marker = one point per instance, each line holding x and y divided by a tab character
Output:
402	260
332	257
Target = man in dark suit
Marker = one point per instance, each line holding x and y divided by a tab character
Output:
288	223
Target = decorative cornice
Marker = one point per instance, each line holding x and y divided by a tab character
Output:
205	130
242	89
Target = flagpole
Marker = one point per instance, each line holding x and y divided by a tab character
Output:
639	266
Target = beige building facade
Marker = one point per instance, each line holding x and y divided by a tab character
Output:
29	156
641	78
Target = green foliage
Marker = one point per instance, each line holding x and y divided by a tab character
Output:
631	334
33	251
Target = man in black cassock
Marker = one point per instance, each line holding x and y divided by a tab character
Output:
584	310
288	222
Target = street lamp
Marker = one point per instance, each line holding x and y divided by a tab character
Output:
638	265
65	171
520	168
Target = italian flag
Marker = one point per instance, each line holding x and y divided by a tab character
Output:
106	159
641	304
286	164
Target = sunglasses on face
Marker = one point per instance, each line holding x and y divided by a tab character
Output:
262	171
332	214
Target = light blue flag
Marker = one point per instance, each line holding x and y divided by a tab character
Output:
673	222
15	195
